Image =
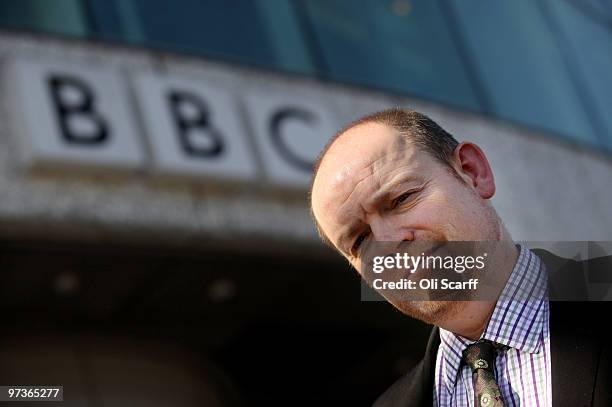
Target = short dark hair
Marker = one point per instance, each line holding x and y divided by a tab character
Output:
416	127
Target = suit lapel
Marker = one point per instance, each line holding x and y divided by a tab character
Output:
428	370
573	344
574	353
415	388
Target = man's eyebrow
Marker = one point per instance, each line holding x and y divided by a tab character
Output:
388	188
382	194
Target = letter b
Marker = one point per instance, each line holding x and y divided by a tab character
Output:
192	118
74	105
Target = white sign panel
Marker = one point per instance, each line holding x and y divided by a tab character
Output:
193	128
69	113
290	133
76	114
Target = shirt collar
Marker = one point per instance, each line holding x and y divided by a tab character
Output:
517	319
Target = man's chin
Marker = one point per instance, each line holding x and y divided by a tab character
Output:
431	312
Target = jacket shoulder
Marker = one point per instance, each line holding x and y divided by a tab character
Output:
405	391
416	387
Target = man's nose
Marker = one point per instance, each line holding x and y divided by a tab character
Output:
385	229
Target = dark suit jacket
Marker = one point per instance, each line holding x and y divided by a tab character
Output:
580	344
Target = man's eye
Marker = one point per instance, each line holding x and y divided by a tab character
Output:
358	242
397	201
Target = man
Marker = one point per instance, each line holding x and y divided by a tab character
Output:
396	176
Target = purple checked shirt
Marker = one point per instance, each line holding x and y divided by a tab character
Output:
522	367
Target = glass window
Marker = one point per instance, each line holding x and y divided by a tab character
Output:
587	34
253	31
519	60
58	16
400	45
542	63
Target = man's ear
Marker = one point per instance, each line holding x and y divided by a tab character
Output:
472	165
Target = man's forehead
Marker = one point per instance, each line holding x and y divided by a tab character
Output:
372	153
361	151
368	137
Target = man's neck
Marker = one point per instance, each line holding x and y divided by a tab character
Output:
471	318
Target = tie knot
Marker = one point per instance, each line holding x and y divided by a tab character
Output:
480	355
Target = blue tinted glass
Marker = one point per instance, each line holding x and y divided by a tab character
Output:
106	21
58	16
518	57
587	32
401	45
252	31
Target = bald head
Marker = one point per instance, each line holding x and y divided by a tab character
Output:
414	126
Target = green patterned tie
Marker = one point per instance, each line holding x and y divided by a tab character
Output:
480	357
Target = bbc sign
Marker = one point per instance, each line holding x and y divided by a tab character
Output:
81	115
